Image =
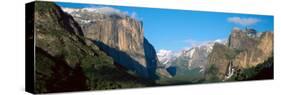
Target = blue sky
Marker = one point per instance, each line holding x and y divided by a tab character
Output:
178	29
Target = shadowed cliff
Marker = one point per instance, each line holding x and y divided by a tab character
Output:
64	62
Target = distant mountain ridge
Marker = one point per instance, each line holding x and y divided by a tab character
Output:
245	48
193	56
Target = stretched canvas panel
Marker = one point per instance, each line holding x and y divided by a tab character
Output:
84	47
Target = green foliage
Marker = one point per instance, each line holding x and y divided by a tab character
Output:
183	76
232	53
261	71
54	75
43	72
237	51
43	6
211	74
104	76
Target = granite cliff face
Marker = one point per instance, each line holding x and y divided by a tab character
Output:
65	62
120	36
245	49
218	61
255	48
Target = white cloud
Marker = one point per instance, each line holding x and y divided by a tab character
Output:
112	11
164	52
107	11
102	10
243	21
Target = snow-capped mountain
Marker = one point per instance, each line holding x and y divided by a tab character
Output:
99	10
195	57
198	55
93	14
165	56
